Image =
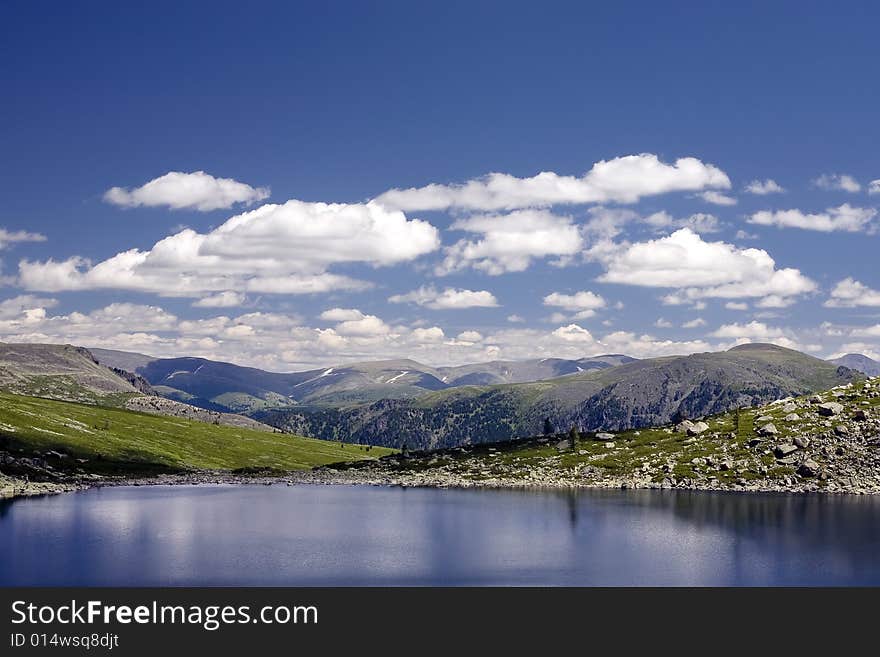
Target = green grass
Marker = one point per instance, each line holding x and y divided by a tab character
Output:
116	439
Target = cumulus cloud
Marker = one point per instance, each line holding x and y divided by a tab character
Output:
850	293
764	187
280	249
699	223
353	322
227	299
700	269
584	304
192	191
621	180
717	198
449	298
837	182
736	305
874	187
694	323
663	323
8	237
508	243
843	218
25	305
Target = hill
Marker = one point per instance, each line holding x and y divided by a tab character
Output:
59	371
43	437
824	442
859	363
636	394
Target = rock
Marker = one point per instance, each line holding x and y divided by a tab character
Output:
697	428
830	408
604	436
802	441
815	399
768	430
792	417
784	449
789	408
841	430
609	445
754	442
764	418
860	416
809	468
683	426
726	465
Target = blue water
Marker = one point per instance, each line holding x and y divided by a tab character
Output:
350	535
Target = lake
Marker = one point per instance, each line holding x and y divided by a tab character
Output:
352	535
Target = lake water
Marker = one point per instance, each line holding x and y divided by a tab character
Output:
351	535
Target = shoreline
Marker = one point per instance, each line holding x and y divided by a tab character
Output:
12	488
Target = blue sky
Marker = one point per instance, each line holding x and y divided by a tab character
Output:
661	249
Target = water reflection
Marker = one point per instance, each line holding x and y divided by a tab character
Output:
317	535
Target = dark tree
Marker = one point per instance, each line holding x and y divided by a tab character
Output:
549	429
573	436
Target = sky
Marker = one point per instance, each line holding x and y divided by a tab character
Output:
287	185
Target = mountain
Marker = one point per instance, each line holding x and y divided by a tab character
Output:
859	363
222	386
60	372
632	395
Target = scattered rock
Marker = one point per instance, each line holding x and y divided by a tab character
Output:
604	436
768	430
802	441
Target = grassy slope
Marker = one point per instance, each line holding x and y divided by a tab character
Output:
126	439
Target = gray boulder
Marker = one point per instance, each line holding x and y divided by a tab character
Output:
829	409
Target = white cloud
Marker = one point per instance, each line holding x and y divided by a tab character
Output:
341	314
759	332
837	182
701	269
8	237
874	187
764	187
717	198
736	305
694	323
25	304
621	180
428	335
280	249
353	322
699	223
449	298
227	299
775	301
577	302
867	332
469	336
850	293
843	218
178	190
663	323
510	242
515	319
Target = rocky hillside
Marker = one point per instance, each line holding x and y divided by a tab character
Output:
824	442
160	406
60	372
633	395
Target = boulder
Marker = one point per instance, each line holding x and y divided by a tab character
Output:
841	430
809	468
829	409
604	436
697	428
802	441
683	426
784	449
860	416
768	430
792	417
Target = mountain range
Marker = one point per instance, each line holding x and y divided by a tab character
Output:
402	402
